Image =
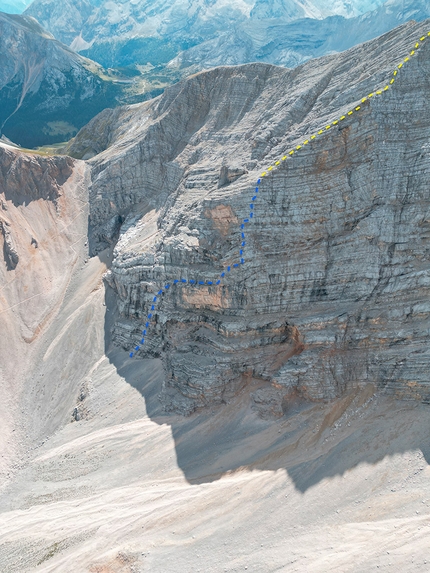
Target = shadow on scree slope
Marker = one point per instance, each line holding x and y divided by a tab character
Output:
232	436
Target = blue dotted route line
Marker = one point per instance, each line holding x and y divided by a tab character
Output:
195	282
156	298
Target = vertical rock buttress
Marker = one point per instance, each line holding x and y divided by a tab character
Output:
334	293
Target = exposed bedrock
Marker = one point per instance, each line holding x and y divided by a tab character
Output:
335	290
10	252
24	179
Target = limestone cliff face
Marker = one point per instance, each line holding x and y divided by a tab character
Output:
335	289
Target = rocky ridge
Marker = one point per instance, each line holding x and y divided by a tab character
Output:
334	291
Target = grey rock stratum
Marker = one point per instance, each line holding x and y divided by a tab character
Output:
335	290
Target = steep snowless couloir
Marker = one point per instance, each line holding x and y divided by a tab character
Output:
95	476
334	291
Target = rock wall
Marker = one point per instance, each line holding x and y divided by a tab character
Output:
335	289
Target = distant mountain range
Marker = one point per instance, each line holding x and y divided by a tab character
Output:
47	91
207	33
292	43
83	23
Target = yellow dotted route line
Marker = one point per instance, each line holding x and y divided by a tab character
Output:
179	281
349	113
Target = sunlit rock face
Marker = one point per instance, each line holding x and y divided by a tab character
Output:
335	287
